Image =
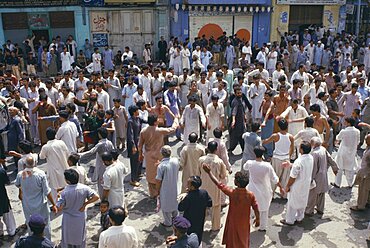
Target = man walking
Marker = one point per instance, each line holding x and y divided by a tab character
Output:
167	174
133	133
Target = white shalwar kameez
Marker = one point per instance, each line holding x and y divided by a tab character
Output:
257	101
298	194
214	116
68	133
56	153
261	176
113	181
190	120
346	156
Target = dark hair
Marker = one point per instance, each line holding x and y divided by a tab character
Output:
140	103
115	154
315	108
193	137
25	146
321	95
107	156
117	214
255	126
74	158
103	132
116	100
192	99
306	147
50	133
259	151
72	107
104	202
71	175
283	124
157	98
64	114
132	109
332	91
196	181
212	146
309	121
152	118
36	230
242	178
269	93
109	112
350	121
217	132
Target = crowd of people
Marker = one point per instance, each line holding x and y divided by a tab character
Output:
289	105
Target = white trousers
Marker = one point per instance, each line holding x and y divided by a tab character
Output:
293	215
350	175
9	221
264	215
168	217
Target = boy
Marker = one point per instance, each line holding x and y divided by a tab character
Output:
109	125
238	216
73	163
104	218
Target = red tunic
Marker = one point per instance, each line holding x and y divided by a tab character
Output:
237	228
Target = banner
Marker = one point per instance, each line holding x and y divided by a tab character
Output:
38	3
98	21
311	2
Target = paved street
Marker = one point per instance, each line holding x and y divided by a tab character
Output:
338	227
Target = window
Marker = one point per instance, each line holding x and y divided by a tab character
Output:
305	15
62	19
10	24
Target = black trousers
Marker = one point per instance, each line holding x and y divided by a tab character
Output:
135	165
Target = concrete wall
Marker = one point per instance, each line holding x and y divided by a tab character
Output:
277	22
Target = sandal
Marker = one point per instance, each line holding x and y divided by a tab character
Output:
356	208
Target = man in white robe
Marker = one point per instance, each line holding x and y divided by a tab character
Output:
56	153
67	132
215	116
256	94
261	176
192	115
299	184
295	114
346	156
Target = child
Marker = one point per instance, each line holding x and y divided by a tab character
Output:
109	125
120	123
104	218
238	216
73	162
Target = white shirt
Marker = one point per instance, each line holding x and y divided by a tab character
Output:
113	181
119	236
261	177
103	99
68	133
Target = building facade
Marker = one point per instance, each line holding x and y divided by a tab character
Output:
297	15
42	18
249	20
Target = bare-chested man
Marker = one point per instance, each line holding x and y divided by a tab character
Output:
321	124
160	110
281	103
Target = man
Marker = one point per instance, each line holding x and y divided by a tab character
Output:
118	235
350	100
113	87
238	120
56	153
44	109
298	186
322	160
251	140
321	124
72	203
172	101
150	143
113	177
284	147
219	170
363	179
108	58
256	94
103	96
229	55
104	145
181	239
189	157
295	114
308	132
15	130
34	192
133	133
6	212
167	174
194	205
346	157
162	46
261	176
37	225
67	131
281	103
215	116
191	117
